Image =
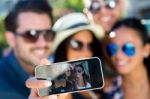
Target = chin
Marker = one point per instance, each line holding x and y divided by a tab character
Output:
122	72
36	62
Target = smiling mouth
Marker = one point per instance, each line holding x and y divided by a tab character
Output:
121	63
106	19
40	53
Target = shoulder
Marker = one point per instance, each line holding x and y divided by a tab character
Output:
5	67
3	63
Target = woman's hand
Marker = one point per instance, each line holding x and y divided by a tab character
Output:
34	84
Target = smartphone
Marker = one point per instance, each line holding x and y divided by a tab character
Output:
71	76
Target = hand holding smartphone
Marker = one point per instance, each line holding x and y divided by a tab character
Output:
71	76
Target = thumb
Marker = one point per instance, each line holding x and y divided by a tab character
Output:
45	61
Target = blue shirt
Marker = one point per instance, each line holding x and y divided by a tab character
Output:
12	79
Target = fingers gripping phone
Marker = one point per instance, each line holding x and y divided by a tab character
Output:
71	76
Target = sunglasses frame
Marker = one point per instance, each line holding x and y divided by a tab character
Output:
78	71
78	45
96	6
113	46
32	36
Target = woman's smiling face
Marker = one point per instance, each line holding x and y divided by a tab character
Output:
128	42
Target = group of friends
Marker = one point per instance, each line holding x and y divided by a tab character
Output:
73	79
122	44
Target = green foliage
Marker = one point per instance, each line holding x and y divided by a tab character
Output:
61	7
2	37
77	5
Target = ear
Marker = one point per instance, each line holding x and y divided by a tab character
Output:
10	37
146	50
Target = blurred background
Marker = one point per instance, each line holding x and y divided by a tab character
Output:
136	8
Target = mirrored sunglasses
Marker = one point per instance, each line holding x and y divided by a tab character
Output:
96	5
78	45
127	48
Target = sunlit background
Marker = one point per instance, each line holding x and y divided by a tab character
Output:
138	8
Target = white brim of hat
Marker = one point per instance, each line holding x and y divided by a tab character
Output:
97	30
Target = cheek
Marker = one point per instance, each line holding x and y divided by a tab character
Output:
139	57
96	18
117	13
22	46
71	55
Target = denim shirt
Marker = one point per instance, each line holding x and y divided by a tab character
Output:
12	79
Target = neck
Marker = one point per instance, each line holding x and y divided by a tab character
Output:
26	66
136	82
139	74
80	81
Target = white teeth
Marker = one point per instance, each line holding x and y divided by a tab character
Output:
39	53
106	18
121	63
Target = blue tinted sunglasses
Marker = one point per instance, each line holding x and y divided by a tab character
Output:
127	48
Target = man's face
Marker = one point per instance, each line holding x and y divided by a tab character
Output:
29	52
105	12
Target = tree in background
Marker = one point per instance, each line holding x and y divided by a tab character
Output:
61	7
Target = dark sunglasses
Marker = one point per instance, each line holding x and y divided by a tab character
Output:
78	45
78	71
33	35
68	71
96	6
128	49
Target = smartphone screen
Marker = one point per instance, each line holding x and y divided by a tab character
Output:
71	76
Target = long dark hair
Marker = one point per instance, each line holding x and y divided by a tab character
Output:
136	24
61	51
85	76
36	6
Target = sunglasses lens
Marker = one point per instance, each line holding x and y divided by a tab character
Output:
111	4
78	71
77	45
30	36
112	49
129	49
49	35
33	35
95	6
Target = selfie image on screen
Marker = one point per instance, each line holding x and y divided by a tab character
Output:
75	77
82	77
71	76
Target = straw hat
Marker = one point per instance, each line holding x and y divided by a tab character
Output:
72	23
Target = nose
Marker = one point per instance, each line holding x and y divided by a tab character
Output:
41	41
120	54
104	10
86	53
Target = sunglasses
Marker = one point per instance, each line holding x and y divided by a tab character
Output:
96	6
68	71
78	71
128	49
78	45
33	35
